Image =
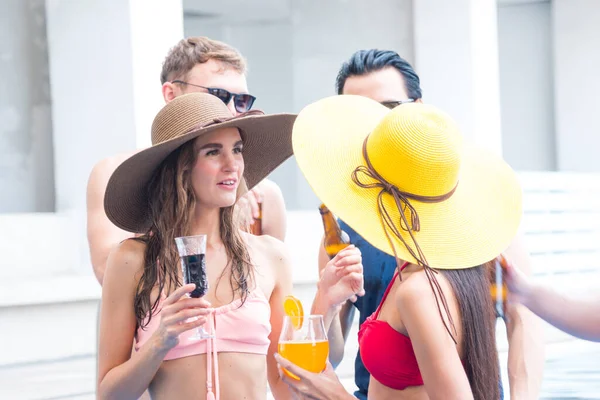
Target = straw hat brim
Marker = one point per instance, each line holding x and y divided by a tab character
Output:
265	148
473	226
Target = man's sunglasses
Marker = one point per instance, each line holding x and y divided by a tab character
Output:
394	104
243	102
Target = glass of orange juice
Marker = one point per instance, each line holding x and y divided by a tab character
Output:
303	341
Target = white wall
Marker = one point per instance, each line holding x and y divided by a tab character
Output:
576	32
26	157
456	56
527	86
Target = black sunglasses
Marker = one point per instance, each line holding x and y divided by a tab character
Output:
394	104
242	101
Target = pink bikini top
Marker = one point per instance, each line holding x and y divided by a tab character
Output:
237	327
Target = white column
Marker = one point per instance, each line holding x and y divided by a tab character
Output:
26	166
156	26
577	84
456	57
105	60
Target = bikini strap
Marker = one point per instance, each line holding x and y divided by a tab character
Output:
387	291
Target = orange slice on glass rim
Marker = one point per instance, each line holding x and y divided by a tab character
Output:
293	308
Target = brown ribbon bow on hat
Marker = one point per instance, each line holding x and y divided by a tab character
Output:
402	200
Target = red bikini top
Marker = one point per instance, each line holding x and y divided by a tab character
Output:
386	353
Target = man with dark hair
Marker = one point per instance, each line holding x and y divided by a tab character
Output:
384	76
365	62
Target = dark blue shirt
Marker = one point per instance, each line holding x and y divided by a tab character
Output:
378	270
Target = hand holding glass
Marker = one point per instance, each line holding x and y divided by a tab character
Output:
192	253
303	341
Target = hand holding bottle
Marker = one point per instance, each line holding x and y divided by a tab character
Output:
342	277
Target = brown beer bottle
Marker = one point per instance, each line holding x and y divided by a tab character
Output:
256	226
498	288
335	238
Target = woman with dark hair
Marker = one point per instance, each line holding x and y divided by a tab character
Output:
409	184
202	159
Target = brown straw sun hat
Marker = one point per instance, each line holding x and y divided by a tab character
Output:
267	143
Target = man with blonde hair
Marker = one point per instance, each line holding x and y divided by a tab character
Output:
195	64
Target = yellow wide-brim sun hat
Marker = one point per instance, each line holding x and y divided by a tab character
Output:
420	150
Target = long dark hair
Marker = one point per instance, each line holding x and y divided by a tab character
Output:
471	287
171	202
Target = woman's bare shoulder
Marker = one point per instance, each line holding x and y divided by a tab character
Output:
126	261
271	250
417	288
265	244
